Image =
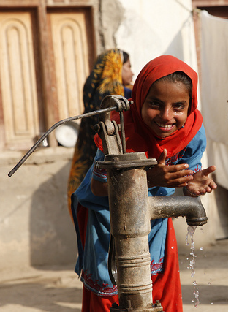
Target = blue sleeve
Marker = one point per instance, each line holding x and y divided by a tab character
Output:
194	151
127	93
84	195
98	173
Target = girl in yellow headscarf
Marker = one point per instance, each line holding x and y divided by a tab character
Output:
111	74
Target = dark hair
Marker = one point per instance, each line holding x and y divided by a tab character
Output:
125	57
180	76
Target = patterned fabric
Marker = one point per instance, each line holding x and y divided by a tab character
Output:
105	79
93	303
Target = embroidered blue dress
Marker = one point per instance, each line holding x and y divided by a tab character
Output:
91	264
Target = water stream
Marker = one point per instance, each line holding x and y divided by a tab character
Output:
190	233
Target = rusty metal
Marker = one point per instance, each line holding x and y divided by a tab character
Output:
176	206
130	226
131	211
128	160
108	130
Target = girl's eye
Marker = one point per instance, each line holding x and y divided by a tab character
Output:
179	106
154	104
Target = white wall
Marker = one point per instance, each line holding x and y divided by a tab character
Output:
154	27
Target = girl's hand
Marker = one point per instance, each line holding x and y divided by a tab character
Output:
169	176
201	183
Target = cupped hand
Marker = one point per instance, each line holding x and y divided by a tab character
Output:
169	176
201	183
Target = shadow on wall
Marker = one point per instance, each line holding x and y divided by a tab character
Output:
176	47
52	234
183	39
221	196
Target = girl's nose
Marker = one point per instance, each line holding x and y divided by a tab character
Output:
166	114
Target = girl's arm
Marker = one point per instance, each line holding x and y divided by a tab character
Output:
99	188
98	183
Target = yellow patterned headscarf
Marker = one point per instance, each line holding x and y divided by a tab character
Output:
105	79
111	79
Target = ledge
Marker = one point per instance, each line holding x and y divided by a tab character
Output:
41	155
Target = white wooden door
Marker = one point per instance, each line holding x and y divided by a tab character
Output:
70	47
18	83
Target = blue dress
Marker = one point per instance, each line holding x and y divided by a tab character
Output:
92	259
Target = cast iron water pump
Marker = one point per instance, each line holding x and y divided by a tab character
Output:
131	211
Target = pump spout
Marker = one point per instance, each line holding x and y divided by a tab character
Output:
173	207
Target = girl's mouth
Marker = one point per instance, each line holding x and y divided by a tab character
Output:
165	127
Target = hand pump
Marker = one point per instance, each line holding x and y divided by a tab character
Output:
131	210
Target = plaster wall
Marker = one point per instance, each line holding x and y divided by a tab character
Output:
151	28
35	226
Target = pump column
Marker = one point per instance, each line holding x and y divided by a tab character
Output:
130	226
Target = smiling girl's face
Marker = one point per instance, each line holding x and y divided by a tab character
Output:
165	108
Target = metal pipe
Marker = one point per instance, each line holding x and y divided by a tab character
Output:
173	207
44	136
129	227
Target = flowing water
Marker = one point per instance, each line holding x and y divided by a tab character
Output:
190	233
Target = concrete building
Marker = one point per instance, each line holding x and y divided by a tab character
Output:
41	83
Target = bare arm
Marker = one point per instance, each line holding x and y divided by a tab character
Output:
99	188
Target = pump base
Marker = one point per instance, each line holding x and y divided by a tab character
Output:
157	307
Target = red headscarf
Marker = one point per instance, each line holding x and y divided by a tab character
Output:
139	137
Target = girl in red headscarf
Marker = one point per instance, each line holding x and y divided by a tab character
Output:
163	122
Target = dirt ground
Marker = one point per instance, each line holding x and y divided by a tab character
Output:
57	289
